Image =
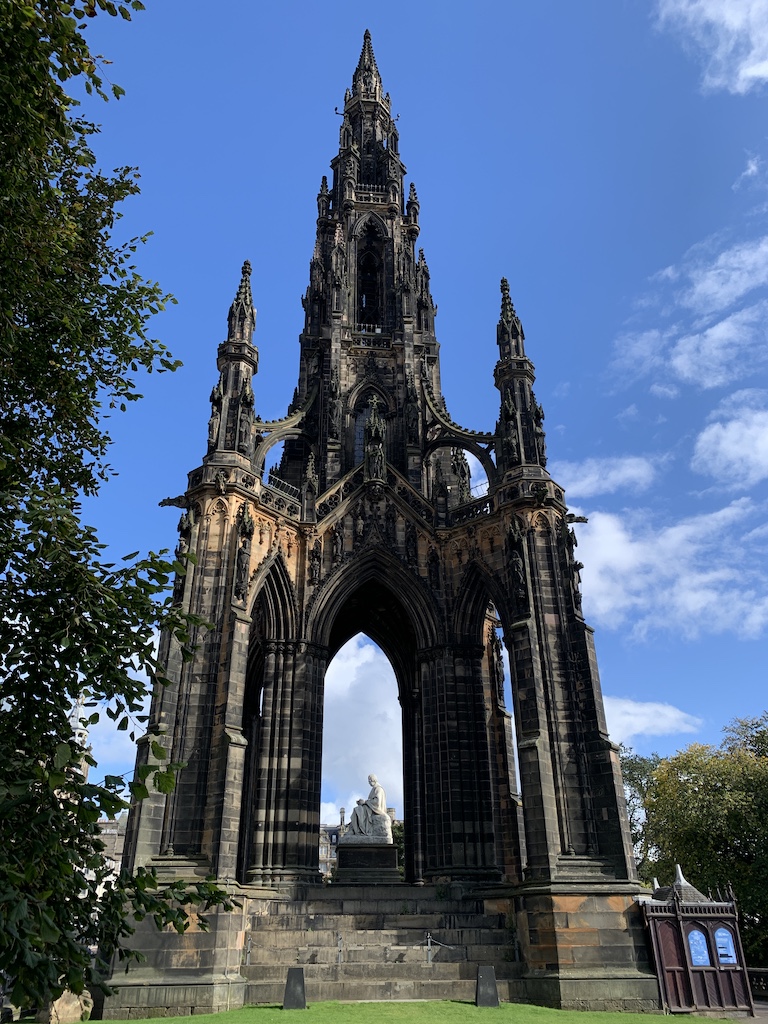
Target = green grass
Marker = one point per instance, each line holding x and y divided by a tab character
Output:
396	1012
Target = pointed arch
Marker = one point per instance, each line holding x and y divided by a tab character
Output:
374	583
479	587
274	608
370	220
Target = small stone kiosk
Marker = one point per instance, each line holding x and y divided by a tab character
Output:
697	948
366	854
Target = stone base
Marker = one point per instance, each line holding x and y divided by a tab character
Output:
371	864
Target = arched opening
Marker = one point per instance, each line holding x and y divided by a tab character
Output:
362	734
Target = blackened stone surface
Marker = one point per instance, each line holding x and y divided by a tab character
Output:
487	994
367	865
295	997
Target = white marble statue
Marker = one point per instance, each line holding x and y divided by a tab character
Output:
369	821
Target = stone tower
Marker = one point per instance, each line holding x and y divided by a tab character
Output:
369	523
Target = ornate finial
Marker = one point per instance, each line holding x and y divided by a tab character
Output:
366	80
242	315
509	333
412	197
507	309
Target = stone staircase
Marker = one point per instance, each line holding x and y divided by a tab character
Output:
376	943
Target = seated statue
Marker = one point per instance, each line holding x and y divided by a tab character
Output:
369	820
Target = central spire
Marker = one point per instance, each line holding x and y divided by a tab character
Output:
366	81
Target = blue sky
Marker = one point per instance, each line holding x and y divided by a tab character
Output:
611	160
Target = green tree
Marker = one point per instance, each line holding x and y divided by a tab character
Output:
74	316
706	809
637	772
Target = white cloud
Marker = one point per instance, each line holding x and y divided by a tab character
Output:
724	352
680	577
752	170
733	35
604	476
664	390
734	448
362	729
629	718
717	283
477	475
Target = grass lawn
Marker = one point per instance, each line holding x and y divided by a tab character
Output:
396	1012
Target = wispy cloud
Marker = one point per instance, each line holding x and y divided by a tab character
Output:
727	351
731	35
604	476
642	575
750	172
734	447
713	338
715	283
630	718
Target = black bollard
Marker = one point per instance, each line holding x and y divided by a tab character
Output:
295	997
486	993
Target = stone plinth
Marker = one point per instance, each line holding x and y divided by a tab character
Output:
366	864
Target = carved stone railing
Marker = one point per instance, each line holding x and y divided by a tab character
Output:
278	484
272	498
470	510
334	496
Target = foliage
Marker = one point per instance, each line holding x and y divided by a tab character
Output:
706	809
637	772
73	335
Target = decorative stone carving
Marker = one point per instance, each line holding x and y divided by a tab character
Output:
315	561
369	822
337	534
411	546
460	467
242	567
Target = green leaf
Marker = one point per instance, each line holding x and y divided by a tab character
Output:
62	755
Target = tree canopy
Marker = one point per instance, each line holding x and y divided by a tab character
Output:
74	316
706	809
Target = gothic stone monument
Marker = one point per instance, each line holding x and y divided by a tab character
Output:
368	524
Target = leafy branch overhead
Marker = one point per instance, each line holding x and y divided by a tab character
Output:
74	627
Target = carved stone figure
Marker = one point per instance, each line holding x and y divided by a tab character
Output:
369	821
517	572
412	421
338	542
375	461
220	480
512	445
244	431
241	570
315	561
213	427
411	545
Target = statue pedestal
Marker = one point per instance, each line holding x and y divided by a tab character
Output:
366	864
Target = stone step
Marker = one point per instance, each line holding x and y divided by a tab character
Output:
364	989
328	937
374	922
391	953
436	971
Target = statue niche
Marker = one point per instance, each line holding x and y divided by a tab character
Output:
370	265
